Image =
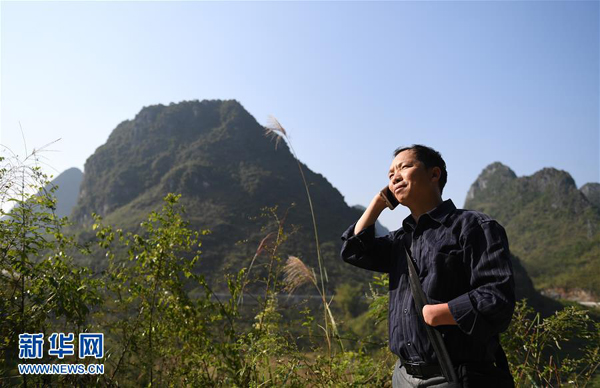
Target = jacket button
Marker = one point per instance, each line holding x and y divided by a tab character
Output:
409	344
405	311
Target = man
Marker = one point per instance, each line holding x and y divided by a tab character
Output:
463	264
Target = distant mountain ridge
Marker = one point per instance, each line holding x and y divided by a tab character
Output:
552	226
380	230
67	183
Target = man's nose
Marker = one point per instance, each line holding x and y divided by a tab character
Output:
397	177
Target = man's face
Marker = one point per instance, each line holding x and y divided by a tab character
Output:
409	179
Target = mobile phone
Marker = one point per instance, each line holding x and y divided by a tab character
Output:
389	198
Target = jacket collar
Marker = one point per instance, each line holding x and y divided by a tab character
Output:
437	214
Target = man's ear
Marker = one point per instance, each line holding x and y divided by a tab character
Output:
436	173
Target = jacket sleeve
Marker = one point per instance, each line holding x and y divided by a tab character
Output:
487	308
366	251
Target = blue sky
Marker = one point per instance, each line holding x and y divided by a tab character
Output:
481	81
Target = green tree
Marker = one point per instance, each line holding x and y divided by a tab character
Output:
41	291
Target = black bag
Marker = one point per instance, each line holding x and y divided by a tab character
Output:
484	376
487	375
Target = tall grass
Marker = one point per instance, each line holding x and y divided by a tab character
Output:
296	274
275	130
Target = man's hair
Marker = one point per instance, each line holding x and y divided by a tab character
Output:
430	158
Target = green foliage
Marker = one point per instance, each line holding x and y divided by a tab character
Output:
380	299
40	289
349	299
151	313
534	347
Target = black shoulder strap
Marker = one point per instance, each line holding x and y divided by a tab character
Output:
501	360
421	300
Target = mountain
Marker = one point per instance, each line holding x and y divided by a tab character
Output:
552	226
216	155
524	289
66	186
380	230
67	183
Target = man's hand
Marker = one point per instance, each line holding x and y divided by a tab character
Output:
371	214
438	314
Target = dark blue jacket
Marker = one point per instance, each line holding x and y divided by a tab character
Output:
462	259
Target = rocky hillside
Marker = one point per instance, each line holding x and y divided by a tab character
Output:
552	226
592	193
217	156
